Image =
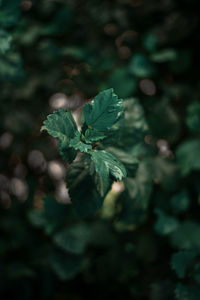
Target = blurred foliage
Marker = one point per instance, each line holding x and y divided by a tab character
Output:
144	242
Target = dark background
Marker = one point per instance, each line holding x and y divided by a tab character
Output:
60	54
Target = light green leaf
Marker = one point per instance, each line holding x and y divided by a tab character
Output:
150	42
106	166
77	144
104	111
164	56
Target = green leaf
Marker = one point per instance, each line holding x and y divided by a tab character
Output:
5	41
184	292
182	62
188	157
11	67
10	12
106	166
61	23
162	290
54	211
140	66
186	236
104	111
65	265
61	125
92	136
150	42
127	159
181	261
180	202
193	117
165	173
139	188
124	84
196	273
130	130
82	189
164	114
73	239
36	218
165	55
77	144
68	154
165	224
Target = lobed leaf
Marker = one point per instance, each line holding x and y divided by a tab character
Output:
92	136
77	144
61	125
104	111
106	165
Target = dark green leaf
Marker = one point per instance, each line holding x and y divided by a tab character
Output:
10	12
127	159
82	190
55	212
140	66
61	125
92	136
165	224
77	144
140	187
106	165
65	265
180	202
188	157
186	236
68	154
193	117
5	41
73	239
181	261
104	111
124	84
184	292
